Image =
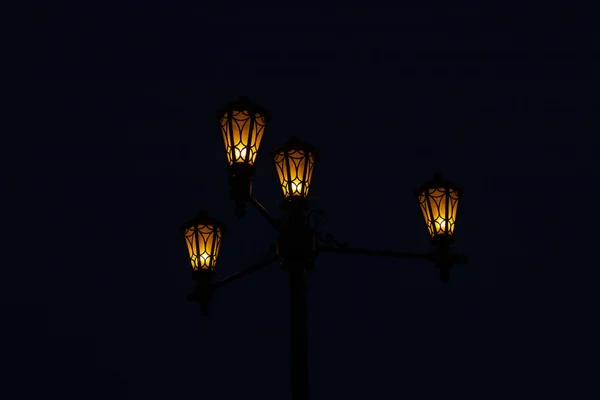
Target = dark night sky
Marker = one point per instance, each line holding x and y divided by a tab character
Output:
112	144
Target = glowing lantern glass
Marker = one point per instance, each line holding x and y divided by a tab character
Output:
203	236
243	124
438	199
295	163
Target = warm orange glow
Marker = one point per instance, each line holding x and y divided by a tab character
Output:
295	169
203	243
242	134
439	207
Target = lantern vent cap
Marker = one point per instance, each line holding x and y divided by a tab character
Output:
438	182
293	143
203	218
243	103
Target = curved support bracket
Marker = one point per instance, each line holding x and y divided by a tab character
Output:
268	259
329	240
275	223
443	258
205	289
315	218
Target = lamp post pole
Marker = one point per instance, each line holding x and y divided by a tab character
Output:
298	331
296	248
242	126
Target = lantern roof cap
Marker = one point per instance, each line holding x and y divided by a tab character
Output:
293	143
438	182
243	103
203	218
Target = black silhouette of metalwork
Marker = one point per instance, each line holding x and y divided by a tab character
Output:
301	228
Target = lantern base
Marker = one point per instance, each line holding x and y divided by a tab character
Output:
203	299
295	204
443	256
203	291
442	240
203	276
240	181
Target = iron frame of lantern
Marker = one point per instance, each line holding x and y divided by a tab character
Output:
300	242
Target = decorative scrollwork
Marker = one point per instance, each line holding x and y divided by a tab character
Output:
327	238
315	218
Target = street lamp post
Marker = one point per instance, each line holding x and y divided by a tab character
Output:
243	125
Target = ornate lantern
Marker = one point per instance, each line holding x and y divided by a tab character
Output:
203	236
295	163
438	199
243	124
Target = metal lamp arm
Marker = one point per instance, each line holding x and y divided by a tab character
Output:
455	258
371	252
255	267
275	223
204	290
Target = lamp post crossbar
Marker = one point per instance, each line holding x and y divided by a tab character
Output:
372	252
432	257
